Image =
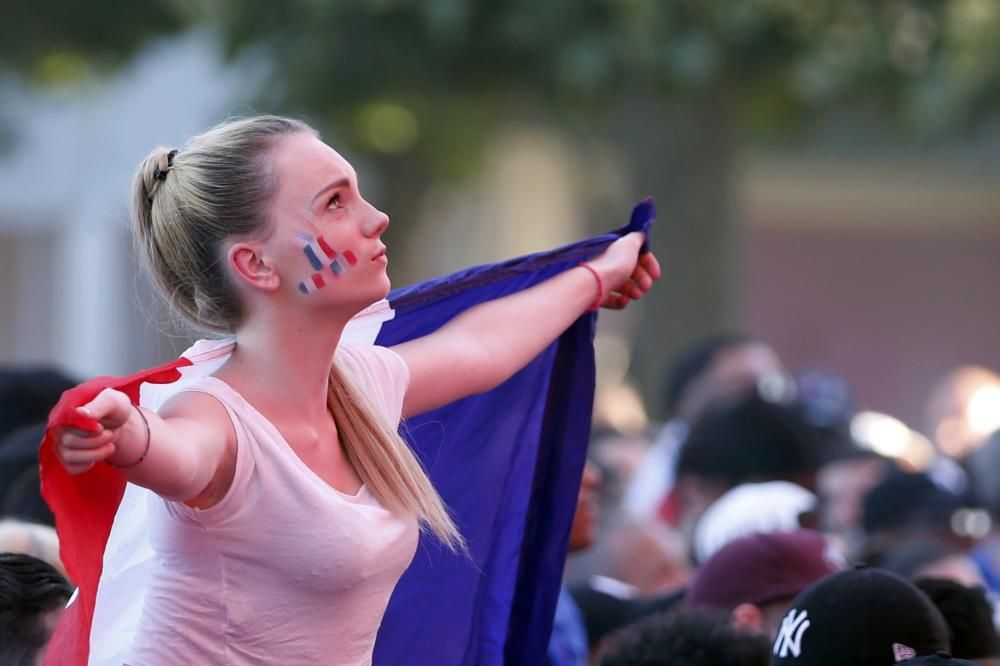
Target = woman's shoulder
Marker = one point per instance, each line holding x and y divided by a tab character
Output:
378	372
378	364
208	401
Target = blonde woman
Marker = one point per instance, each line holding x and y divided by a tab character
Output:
296	430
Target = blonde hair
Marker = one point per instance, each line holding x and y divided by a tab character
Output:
186	205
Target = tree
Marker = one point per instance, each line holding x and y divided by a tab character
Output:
416	86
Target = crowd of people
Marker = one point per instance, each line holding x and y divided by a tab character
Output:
748	532
776	537
752	528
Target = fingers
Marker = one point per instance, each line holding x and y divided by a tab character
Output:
650	264
615	301
78	450
78	457
79	468
78	439
110	407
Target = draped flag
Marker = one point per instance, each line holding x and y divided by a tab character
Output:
507	462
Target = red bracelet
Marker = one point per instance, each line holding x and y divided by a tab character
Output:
600	287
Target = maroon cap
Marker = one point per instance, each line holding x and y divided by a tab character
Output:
761	568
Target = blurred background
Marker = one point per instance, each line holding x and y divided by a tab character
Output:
824	171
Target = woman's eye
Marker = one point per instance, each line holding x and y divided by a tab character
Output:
334	201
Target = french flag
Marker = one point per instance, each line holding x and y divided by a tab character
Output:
508	464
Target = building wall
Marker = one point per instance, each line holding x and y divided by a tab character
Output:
888	274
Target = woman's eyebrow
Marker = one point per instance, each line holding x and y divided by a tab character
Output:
340	182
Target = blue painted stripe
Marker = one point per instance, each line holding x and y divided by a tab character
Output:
336	268
313	259
303	288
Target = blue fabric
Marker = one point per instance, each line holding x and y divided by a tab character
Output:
508	463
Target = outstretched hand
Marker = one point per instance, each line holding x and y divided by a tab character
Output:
626	273
78	450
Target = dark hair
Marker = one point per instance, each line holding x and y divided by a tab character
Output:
686	638
29	588
908	501
749	439
28	394
969	615
694	362
20	490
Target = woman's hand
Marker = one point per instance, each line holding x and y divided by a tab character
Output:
78	450
626	274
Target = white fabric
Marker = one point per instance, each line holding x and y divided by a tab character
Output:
128	556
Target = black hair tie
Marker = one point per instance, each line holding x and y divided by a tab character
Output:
162	175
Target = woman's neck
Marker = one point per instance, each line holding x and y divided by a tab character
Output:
282	365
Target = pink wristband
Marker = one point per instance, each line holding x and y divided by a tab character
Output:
600	287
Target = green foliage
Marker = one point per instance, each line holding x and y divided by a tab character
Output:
932	63
405	75
59	42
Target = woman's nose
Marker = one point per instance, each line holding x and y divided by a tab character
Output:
376	223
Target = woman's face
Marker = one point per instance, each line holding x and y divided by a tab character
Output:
326	240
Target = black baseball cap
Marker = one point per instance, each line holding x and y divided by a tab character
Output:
862	617
940	658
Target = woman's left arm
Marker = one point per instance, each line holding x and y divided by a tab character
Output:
487	344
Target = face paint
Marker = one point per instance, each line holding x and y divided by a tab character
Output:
319	253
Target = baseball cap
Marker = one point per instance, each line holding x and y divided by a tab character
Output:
939	658
761	568
863	617
771	506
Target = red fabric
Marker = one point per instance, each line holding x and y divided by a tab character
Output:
84	506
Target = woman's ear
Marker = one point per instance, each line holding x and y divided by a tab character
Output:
251	267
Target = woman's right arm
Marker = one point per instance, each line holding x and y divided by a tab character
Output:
191	448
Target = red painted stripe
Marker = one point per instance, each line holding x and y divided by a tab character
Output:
351	259
326	248
318	281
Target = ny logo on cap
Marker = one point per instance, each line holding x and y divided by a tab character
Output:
789	640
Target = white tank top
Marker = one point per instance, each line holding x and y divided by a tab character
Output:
284	569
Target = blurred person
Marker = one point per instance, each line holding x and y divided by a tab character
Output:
745	440
841	486
684	638
28	394
650	557
932	558
982	466
20	488
862	617
33	596
905	507
754	579
608	605
619	456
40	541
569	645
964	410
969	615
710	370
750	508
232	227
